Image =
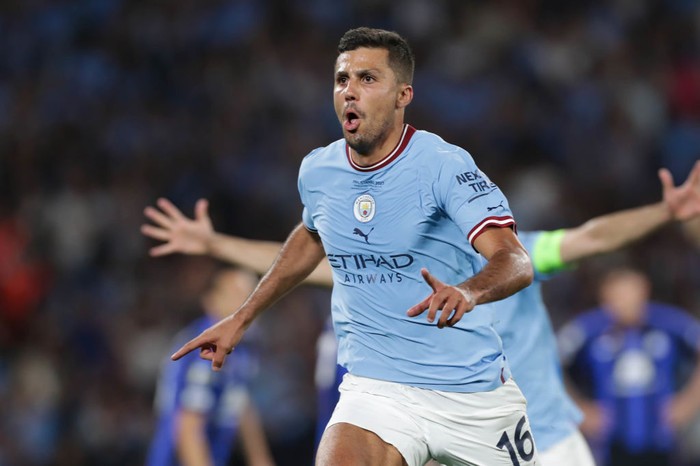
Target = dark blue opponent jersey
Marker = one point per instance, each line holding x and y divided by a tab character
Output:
632	372
421	206
190	384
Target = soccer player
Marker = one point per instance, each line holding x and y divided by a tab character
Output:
524	324
625	358
407	222
200	412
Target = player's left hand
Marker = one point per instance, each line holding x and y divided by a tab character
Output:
451	300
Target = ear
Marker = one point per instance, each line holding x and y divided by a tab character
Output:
405	95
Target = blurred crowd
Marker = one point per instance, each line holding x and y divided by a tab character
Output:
105	105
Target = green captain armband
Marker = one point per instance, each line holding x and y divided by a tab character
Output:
546	254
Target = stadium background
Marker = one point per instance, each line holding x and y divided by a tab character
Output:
105	105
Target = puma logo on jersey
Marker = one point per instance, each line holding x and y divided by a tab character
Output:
499	206
359	232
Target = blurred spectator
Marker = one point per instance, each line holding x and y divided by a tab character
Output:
631	361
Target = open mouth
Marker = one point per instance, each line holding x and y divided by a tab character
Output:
352	121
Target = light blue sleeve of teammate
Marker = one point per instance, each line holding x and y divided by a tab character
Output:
468	196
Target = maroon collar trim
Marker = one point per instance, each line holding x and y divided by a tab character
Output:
408	132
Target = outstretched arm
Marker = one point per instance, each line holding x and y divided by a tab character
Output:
181	234
298	257
610	232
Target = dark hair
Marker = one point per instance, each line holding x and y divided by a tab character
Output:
401	59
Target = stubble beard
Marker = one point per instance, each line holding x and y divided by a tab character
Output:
367	143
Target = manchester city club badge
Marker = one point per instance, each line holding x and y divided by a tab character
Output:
364	208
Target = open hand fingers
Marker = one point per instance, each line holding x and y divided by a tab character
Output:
170	209
666	178
419	308
694	177
158	217
155	232
430	303
433	282
436	304
461	309
201	209
162	250
451	305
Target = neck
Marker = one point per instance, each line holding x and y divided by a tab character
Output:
381	150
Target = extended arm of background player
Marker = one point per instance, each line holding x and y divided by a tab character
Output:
258	256
196	236
607	233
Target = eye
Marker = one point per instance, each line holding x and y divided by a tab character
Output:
368	79
341	79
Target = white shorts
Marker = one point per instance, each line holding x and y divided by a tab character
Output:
572	451
470	429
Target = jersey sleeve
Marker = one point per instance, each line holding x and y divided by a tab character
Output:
678	323
468	196
305	195
308	220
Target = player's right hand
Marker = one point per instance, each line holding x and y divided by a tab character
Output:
452	301
179	233
215	343
683	200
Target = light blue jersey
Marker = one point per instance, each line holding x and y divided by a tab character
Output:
530	345
421	206
523	323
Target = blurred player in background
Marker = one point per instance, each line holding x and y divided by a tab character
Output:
394	209
629	362
525	327
201	412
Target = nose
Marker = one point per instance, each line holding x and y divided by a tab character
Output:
350	91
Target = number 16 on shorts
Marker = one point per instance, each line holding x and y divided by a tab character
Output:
518	444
